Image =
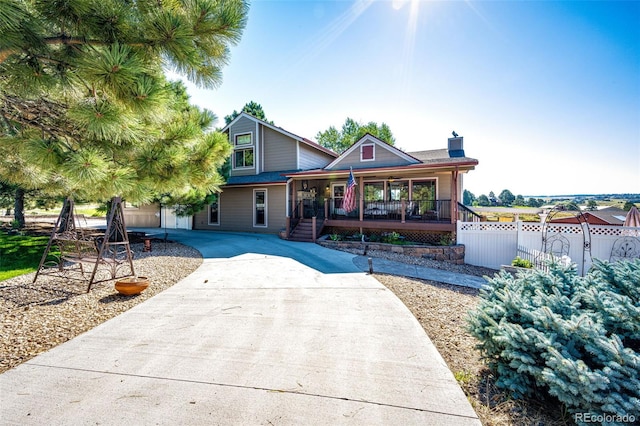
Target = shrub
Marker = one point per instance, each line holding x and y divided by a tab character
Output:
521	263
575	338
446	240
391	237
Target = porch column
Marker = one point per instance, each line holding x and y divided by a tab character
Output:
326	209
293	198
454	195
361	199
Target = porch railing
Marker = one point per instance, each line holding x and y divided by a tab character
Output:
408	210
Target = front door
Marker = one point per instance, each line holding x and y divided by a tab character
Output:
337	198
260	207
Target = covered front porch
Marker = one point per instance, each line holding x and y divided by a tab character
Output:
411	202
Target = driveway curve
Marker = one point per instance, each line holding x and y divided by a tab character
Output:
264	332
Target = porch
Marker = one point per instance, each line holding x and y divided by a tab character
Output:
310	217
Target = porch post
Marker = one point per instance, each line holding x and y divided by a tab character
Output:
361	201
293	198
454	195
326	209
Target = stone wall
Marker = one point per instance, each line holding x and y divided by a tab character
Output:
452	254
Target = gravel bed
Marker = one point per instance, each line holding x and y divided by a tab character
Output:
36	317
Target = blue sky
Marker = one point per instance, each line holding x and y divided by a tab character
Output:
545	93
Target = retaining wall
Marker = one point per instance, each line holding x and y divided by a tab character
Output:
452	254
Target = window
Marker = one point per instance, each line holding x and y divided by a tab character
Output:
367	152
423	193
260	207
244	139
243	158
374	191
243	151
214	211
396	191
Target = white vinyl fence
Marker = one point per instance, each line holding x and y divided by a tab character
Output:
492	244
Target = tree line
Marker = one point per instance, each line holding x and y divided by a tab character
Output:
506	198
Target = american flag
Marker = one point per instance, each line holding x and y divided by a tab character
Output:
349	202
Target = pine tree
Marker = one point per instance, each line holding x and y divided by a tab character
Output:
85	107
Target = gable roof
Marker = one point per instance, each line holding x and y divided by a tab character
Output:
369	138
305	141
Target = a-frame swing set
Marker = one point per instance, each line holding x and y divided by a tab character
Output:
85	255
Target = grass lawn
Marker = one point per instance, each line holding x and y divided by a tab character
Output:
20	254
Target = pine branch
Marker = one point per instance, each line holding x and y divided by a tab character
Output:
43	114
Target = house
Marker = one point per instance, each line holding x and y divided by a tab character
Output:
606	216
283	183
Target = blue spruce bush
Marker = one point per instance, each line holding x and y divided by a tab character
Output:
576	338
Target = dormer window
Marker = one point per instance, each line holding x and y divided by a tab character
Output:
367	152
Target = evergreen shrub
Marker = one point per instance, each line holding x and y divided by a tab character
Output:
575	338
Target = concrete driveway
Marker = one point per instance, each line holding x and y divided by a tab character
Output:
264	332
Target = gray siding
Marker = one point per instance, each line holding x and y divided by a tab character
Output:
444	186
236	211
312	158
383	158
279	151
244	125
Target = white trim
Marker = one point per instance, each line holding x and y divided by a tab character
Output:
362	145
235	139
287	198
266	208
236	148
233	158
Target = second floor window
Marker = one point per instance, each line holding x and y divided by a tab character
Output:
243	158
244	139
243	152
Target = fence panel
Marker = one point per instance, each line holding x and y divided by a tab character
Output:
492	244
488	244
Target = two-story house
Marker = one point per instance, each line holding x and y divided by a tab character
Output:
281	182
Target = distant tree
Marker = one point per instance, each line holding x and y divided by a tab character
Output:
252	108
468	198
627	205
483	201
519	201
506	197
533	202
592	205
351	132
568	205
